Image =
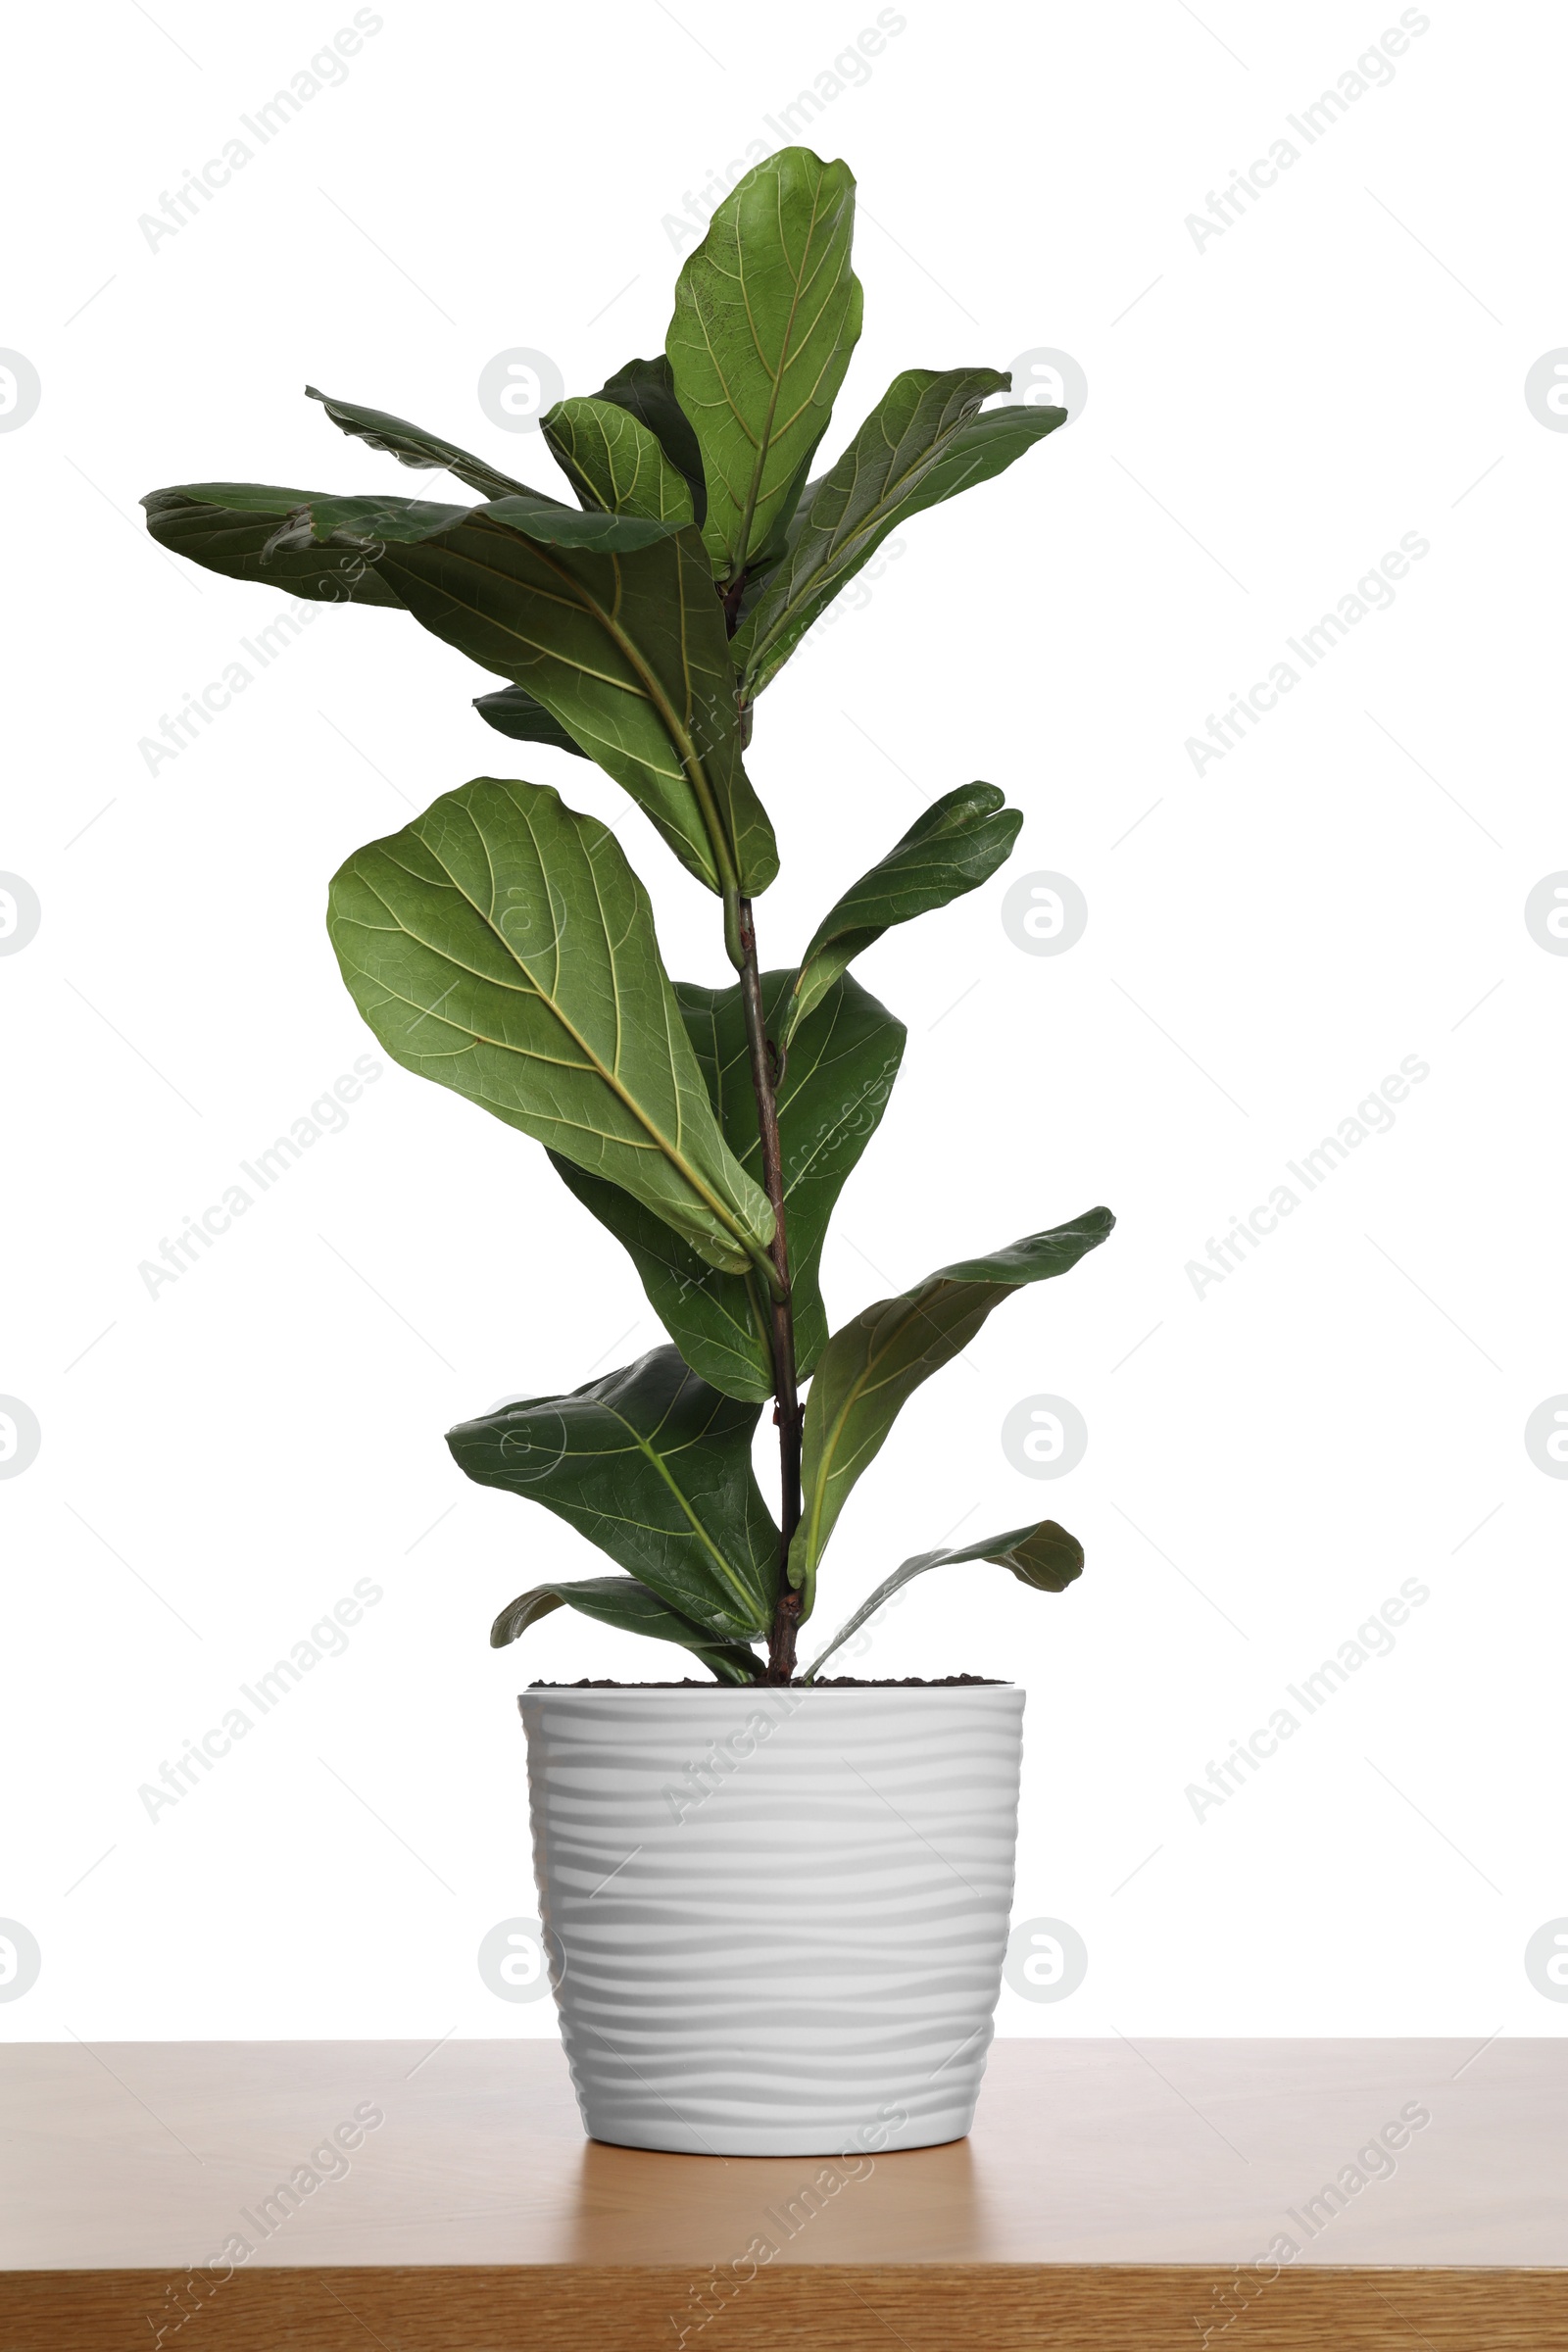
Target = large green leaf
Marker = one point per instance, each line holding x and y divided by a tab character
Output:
609	620
513	711
1044	1557
365	518
502	945
411	445
955	846
225	528
621	1601
767	311
878	1360
646	390
835	1087
924	441
625	644
655	1467
613	462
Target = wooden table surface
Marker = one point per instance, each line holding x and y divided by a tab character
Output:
1249	2194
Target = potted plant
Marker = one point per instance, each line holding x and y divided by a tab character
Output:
776	1902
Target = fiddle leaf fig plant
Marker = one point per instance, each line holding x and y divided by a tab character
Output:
502	945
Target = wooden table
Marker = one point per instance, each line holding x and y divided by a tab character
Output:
1246	2194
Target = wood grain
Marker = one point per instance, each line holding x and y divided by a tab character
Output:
929	2308
1110	2195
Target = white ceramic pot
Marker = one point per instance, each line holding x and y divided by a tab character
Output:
776	1917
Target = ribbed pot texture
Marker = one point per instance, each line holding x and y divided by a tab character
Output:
775	1917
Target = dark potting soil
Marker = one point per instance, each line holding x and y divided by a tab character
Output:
829	1682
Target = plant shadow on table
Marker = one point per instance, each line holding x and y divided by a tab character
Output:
739	2214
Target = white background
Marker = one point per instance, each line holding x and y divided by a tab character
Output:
1267	414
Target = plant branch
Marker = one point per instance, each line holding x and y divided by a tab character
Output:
731	598
765	1069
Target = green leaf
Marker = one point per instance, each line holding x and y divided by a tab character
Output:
225	528
613	462
363	521
1044	1555
835	1087
955	846
610	622
923	442
767	311
502	945
763	559
878	1360
352	521
411	445
513	711
719	1321
655	1467
625	645
621	1601
646	390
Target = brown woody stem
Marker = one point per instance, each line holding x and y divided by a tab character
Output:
765	1068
